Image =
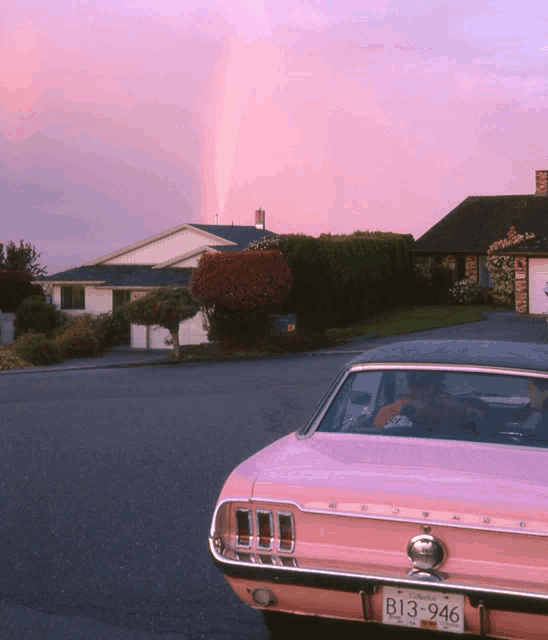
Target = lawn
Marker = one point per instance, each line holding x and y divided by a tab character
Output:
409	319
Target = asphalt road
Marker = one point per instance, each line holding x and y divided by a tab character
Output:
109	478
107	486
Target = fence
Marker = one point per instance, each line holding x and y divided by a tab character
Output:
6	327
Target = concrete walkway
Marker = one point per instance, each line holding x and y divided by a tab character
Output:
116	357
497	325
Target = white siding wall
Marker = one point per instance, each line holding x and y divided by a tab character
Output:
167	248
100	301
97	301
538	277
189	262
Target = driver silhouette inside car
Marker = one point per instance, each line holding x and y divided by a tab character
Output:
425	399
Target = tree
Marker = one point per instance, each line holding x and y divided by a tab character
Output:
242	280
501	268
35	314
15	286
238	290
165	307
20	258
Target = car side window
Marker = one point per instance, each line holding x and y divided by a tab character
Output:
355	402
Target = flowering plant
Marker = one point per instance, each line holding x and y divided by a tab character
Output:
273	241
501	268
466	292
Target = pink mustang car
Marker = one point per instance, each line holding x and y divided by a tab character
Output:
416	496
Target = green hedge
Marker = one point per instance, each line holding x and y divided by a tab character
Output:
339	280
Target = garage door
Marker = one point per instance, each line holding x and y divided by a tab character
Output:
538	279
190	332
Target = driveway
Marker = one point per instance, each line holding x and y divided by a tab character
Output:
497	325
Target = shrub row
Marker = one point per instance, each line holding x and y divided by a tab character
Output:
339	280
44	335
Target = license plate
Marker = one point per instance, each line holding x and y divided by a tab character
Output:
423	609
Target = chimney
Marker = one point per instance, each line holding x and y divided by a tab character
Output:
259	219
542	183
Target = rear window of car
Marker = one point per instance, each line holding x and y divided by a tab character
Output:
442	404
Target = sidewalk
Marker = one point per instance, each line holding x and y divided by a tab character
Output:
497	325
116	357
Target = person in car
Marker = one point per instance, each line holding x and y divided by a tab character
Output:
425	397
535	412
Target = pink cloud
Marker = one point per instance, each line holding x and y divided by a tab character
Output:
331	120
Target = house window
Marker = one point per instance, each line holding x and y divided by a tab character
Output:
484	276
120	297
73	298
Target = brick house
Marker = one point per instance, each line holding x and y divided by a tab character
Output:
460	240
531	265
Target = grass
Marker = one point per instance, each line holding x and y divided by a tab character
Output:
401	320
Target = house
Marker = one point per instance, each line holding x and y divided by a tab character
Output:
460	240
167	258
531	268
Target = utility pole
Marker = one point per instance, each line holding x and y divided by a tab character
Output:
216	218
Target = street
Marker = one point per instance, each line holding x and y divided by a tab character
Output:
108	484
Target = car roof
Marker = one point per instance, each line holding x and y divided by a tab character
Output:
509	355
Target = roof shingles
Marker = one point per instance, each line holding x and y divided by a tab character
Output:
240	235
478	221
124	276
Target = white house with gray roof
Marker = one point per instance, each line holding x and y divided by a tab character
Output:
168	258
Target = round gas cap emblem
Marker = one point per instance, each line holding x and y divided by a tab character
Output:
425	552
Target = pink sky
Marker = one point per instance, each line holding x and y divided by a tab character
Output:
122	118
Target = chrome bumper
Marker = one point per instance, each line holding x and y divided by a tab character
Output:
479	595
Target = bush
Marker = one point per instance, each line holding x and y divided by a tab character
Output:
466	292
242	280
442	283
501	267
10	360
235	329
36	348
35	314
79	342
113	328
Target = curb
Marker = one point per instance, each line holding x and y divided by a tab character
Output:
114	365
163	361
231	358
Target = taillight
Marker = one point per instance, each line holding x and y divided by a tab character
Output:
244	526
265	529
287	531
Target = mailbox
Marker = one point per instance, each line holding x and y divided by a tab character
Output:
282	324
